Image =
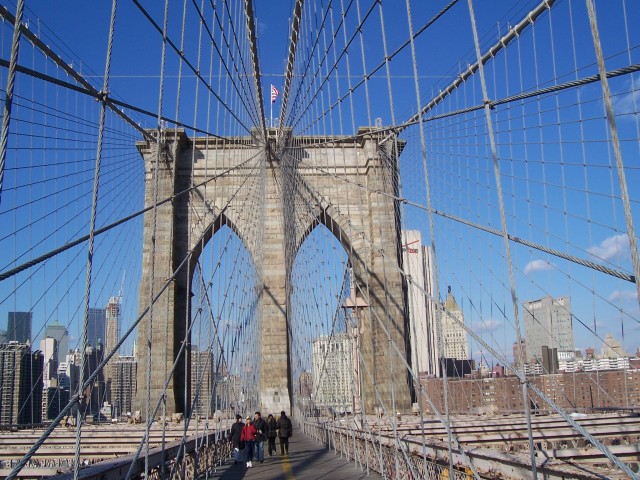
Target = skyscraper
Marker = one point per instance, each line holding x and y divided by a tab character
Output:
96	327
94	394
202	381
333	371
60	333
51	399
19	327
125	375
112	313
413	266
21	384
453	333
547	322
49	348
417	261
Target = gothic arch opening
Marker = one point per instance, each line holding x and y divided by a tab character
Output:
224	316
322	376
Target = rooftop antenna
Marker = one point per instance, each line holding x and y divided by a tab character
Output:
124	275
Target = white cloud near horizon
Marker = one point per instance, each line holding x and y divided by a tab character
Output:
615	247
488	325
629	102
536	266
623	296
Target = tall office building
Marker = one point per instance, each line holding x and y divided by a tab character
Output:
68	376
19	327
333	371
21	384
229	393
417	261
519	349
611	348
547	322
94	395
202	380
49	349
454	335
123	388
60	333
96	326
112	315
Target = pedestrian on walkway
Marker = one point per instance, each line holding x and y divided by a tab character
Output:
271	434
249	437
285	431
261	434
235	434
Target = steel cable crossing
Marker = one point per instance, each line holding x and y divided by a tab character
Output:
506	129
487	103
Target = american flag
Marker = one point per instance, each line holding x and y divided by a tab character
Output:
274	94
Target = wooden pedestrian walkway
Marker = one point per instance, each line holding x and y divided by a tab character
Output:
307	460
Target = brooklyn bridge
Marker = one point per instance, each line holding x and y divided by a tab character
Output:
405	226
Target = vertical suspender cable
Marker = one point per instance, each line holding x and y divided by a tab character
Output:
615	142
159	132
94	204
505	236
438	319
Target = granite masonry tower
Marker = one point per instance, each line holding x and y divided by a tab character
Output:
301	183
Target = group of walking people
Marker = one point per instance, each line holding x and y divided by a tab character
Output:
247	439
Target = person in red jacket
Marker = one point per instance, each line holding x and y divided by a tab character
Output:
248	435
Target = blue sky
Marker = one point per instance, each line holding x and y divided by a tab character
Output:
560	185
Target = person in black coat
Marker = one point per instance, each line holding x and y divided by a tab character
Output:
285	431
234	437
261	427
271	434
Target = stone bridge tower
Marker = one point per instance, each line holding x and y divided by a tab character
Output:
303	182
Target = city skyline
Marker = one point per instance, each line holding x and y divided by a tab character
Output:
537	274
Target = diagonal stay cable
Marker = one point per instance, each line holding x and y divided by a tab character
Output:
513	33
245	74
11	76
557	253
191	67
36	446
397	129
21	464
303	77
217	49
10	273
293	47
253	44
49	53
373	71
112	102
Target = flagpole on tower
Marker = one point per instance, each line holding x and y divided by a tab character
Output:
274	95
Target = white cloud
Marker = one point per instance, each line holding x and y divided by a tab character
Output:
628	102
623	296
536	266
615	247
488	325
